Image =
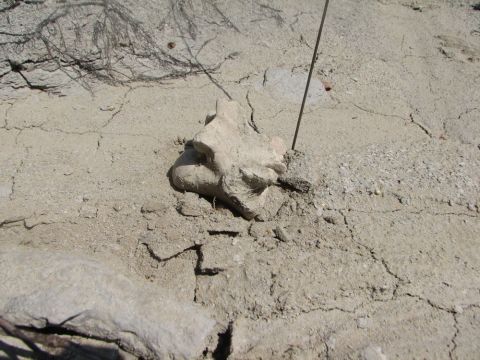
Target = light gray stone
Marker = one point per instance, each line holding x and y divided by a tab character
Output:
83	295
282	234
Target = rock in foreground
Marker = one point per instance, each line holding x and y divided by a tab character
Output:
43	289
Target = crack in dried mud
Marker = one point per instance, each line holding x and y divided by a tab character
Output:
399	280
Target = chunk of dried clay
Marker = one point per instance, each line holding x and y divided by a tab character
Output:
301	176
228	160
81	295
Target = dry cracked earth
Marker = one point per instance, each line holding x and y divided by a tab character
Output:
381	260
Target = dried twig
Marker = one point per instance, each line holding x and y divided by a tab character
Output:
12	330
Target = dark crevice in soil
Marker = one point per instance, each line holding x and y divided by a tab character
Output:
223	232
224	345
454	338
421	126
15	66
199	270
399	281
429	302
154	256
252	115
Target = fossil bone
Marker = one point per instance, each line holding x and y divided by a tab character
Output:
230	161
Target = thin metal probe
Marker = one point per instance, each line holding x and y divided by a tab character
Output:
310	73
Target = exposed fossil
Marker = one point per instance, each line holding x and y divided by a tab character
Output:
228	160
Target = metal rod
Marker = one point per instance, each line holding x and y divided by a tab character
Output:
319	36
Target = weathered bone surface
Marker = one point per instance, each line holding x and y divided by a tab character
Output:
229	160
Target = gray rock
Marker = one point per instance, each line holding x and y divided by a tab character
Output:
42	289
332	217
282	234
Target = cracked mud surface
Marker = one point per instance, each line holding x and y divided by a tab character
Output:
381	260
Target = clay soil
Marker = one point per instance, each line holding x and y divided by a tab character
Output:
381	260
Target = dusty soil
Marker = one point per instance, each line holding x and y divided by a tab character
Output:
381	260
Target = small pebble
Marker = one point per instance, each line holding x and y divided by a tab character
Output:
210	116
260	218
68	171
332	219
107	108
471	207
281	234
331	342
363	323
